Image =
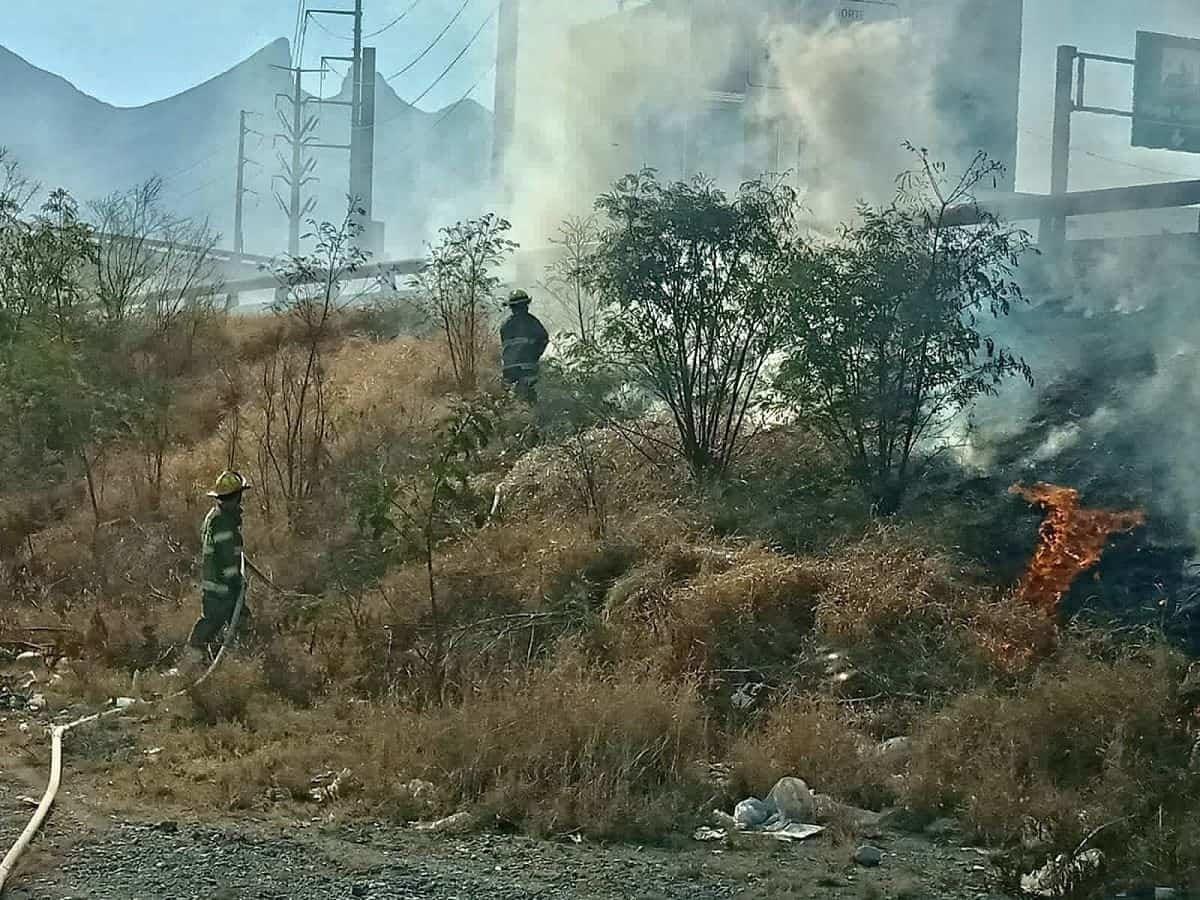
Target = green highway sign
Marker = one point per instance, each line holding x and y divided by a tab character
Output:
1166	93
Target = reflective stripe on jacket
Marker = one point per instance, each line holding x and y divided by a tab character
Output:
221	540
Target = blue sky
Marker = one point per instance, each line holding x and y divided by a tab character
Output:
136	51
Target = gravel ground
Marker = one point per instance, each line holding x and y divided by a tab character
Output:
145	861
136	861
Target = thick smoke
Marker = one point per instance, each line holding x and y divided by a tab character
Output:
847	96
856	94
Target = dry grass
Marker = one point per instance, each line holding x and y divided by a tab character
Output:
812	738
593	711
1085	744
615	758
917	620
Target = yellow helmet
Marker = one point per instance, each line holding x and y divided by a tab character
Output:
228	484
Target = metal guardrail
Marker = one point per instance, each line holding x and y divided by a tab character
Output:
1019	207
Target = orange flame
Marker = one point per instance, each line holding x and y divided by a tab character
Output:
1070	541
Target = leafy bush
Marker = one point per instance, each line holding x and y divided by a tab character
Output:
884	343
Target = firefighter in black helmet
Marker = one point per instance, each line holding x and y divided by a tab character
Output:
523	340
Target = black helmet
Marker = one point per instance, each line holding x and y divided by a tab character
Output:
518	298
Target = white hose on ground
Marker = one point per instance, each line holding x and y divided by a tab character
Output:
57	732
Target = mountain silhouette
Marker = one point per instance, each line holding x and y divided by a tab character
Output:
431	167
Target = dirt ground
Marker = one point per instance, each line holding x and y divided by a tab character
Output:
85	854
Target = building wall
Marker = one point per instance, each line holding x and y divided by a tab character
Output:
647	88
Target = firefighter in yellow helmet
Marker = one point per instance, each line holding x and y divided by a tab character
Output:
222	571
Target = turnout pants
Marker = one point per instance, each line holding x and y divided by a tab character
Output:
216	611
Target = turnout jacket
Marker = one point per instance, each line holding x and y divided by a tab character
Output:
221	573
523	340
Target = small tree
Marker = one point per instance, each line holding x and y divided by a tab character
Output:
417	510
459	285
885	344
691	284
569	278
295	394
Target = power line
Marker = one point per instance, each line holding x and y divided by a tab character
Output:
392	24
1111	159
433	43
329	31
457	103
454	61
217	149
449	111
197	190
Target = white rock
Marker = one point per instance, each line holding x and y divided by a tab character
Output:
792	798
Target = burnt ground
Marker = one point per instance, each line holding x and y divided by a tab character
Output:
84	854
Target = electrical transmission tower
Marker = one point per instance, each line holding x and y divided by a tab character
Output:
298	132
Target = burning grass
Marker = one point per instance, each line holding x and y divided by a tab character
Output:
1071	541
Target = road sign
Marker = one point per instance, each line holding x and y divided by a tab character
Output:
1166	93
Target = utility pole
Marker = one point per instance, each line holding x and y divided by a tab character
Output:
298	133
231	300
238	230
362	126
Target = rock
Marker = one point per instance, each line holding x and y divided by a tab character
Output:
868	856
792	798
457	823
722	819
943	828
124	702
897	752
901	818
359	890
752	812
826	809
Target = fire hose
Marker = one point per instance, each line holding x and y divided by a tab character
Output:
57	732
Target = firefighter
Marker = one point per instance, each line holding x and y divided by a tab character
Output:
222	581
523	340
